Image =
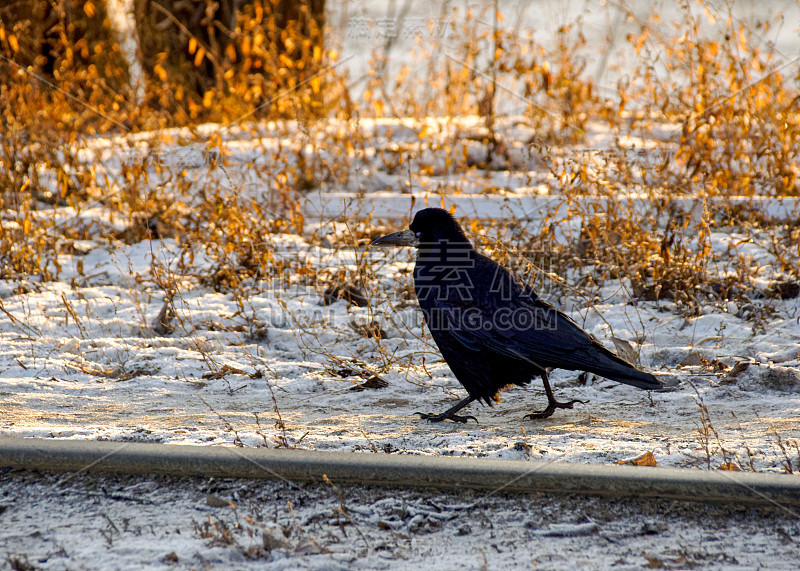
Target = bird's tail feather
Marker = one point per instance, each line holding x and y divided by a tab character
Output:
606	364
634	378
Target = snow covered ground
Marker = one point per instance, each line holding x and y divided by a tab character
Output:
91	522
79	360
269	363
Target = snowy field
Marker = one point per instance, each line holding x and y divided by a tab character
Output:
90	522
81	361
279	362
298	335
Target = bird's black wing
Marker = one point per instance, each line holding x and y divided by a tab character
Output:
500	314
526	330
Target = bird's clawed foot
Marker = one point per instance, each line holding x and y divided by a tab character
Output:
444	416
551	408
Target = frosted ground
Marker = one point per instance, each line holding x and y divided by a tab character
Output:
79	362
89	522
273	364
80	359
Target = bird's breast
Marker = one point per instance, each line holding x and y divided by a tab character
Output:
432	283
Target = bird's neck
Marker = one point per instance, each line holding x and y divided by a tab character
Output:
446	254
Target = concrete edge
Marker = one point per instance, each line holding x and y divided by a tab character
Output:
446	473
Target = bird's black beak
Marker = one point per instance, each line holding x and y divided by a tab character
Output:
404	238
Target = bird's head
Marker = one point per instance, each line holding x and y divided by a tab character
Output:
430	226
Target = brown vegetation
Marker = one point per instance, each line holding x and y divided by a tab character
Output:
721	121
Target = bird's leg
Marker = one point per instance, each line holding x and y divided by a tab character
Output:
449	414
552	403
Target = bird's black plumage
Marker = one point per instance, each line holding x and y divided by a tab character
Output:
492	330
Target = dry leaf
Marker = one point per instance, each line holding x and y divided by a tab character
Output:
646	459
160	72
739	368
222	372
730	467
693	359
198	57
625	350
346	291
370	329
373	382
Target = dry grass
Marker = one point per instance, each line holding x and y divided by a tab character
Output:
720	122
